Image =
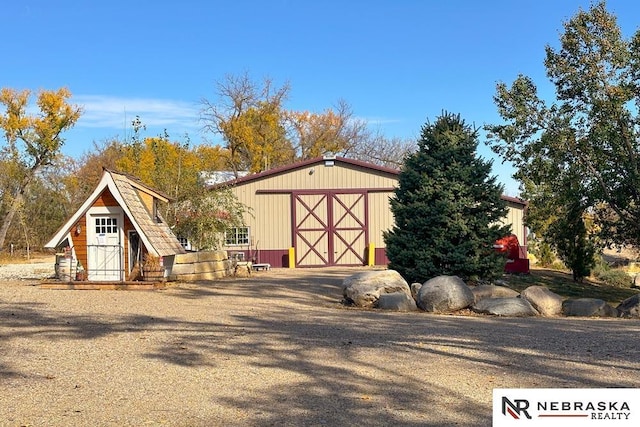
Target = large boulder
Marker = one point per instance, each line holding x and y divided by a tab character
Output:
514	307
630	307
543	300
492	291
398	301
444	294
588	307
364	289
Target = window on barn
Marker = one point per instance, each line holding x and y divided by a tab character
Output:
237	236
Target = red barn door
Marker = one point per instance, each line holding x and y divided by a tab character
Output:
330	228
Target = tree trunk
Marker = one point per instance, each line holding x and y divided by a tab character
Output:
6	222
16	203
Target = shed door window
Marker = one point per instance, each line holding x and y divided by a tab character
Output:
237	236
106	225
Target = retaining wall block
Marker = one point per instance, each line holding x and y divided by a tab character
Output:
179	269
207	267
187	258
212	256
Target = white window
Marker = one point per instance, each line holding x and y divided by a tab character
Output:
237	236
185	243
106	225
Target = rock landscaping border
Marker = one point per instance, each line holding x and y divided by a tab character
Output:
387	290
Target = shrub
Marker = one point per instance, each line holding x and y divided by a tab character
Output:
601	267
151	263
557	265
617	278
545	255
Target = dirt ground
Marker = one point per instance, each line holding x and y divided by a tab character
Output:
278	349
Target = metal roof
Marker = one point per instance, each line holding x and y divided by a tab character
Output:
330	160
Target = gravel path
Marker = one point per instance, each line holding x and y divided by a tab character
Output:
278	349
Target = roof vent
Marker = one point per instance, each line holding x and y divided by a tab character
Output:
329	159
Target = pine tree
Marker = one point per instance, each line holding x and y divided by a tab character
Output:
447	208
576	248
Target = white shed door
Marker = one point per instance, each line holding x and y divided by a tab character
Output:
104	253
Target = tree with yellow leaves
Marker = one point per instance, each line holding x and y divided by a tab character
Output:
33	141
338	131
315	134
259	133
264	143
249	116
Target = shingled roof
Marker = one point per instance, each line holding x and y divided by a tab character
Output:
158	233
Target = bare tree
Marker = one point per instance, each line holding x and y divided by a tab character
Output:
383	151
241	112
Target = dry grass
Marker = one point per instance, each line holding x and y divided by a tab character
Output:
562	284
21	257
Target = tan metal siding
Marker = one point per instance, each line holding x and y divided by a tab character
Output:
515	217
380	217
323	177
269	219
271	223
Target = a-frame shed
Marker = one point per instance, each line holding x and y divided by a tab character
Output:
116	227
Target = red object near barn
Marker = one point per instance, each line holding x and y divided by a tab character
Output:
517	261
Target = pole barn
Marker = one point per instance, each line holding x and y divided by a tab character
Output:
327	211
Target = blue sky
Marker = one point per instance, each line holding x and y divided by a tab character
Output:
396	62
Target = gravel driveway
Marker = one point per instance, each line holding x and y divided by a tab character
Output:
34	270
279	349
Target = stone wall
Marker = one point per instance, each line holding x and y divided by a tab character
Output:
205	265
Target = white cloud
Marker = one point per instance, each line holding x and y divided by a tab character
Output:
117	112
112	112
379	120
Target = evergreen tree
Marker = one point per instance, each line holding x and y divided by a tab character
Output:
447	208
573	243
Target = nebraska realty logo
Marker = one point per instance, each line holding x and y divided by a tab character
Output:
566	407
